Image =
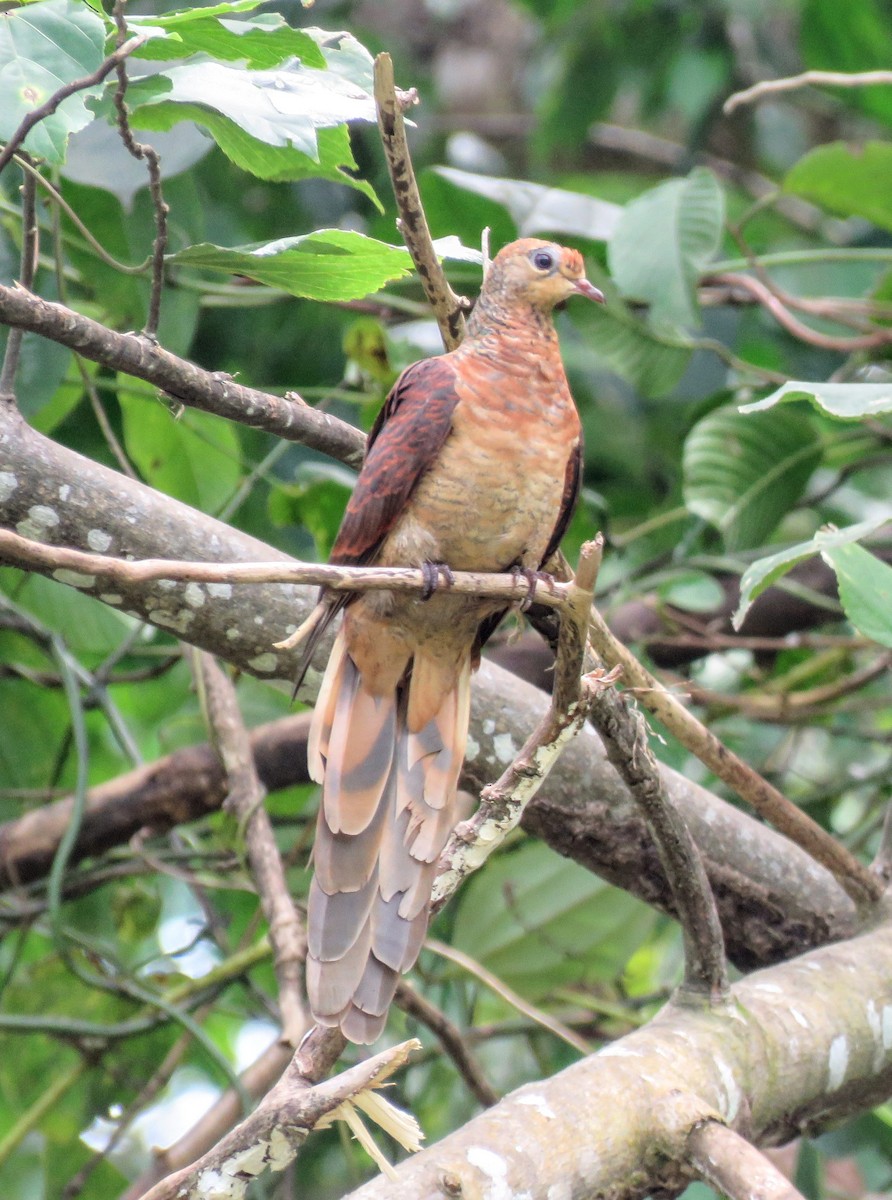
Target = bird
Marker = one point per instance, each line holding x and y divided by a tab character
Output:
473	464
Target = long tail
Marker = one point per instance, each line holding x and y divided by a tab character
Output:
388	807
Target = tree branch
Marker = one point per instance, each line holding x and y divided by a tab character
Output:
790	83
788	1058
245	801
726	1161
208	391
412	221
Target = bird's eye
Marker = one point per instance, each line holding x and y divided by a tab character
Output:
543	260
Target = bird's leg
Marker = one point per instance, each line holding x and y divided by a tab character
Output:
431	572
533	578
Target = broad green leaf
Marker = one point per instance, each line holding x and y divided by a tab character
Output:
548	921
865	589
766	571
743	473
88	626
42	48
692	591
852	182
196	457
281	107
333	158
664	241
650	361
261	41
330	264
847	401
538	210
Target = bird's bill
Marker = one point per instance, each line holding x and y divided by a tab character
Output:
588	289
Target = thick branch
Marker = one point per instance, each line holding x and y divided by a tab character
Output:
786	1057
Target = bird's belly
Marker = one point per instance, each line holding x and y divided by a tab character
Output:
478	514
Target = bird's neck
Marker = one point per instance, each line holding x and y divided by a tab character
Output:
497	328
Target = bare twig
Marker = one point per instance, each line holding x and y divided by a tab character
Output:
49	106
209	391
503	802
790	83
413	223
798	329
734	1167
27	554
245	801
27	266
149	155
450	1038
746	782
537	1015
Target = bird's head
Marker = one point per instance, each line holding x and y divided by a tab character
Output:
541	274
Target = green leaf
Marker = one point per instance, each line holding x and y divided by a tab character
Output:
692	591
330	264
537	210
743	473
333	155
766	571
548	921
42	48
664	241
846	401
281	107
852	182
865	589
262	41
650	361
195	457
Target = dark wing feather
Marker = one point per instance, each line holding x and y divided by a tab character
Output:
572	485
406	437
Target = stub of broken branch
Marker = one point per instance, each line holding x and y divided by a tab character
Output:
270	1138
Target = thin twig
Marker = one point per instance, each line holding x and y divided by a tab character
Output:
734	1167
412	222
541	1018
27	267
798	329
450	1038
27	554
790	83
749	785
245	801
149	155
49	106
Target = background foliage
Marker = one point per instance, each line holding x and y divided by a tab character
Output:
598	123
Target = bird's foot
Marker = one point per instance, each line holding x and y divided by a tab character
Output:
431	572
533	578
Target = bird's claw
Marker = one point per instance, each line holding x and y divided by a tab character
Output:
431	572
533	578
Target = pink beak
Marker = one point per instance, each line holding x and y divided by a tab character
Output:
588	289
